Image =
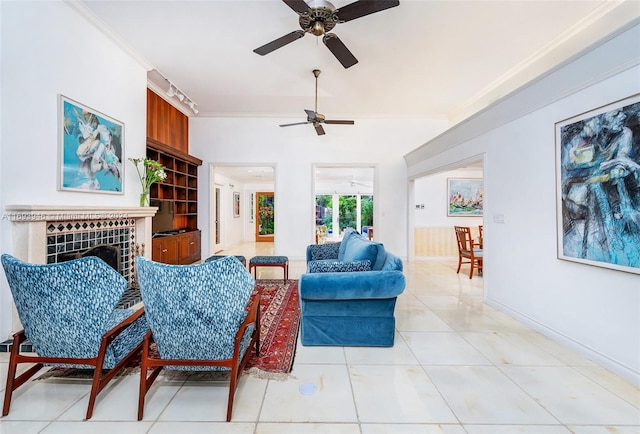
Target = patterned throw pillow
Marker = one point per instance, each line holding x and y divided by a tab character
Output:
324	251
339	266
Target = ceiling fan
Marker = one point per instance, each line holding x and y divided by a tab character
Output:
319	17
315	118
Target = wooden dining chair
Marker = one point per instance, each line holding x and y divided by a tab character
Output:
466	250
480	241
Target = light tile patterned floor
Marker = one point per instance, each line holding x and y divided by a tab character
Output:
458	366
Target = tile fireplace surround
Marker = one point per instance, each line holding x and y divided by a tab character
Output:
39	232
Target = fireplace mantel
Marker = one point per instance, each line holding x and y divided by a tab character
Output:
32	224
32	213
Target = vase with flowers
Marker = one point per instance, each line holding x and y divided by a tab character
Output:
150	172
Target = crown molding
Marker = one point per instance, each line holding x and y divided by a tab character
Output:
600	23
93	19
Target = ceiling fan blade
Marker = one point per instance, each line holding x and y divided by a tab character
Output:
299	6
319	129
312	115
278	43
295	123
342	53
362	8
327	121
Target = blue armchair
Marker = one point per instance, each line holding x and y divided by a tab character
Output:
199	319
348	294
68	311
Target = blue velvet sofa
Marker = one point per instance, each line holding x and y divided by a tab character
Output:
348	294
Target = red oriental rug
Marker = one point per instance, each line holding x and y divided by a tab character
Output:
279	321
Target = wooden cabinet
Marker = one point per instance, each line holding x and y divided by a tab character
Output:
189	247
181	185
181	249
167	142
165	249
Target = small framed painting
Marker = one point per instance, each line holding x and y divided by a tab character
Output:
90	149
598	186
236	204
465	196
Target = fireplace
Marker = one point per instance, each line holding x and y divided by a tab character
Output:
48	234
113	241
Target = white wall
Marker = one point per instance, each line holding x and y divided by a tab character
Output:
431	191
293	151
592	309
48	48
231	228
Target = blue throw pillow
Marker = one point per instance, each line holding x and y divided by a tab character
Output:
348	233
338	266
359	248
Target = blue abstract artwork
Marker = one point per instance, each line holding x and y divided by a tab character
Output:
598	173
91	150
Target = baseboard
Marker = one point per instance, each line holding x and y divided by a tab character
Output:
626	372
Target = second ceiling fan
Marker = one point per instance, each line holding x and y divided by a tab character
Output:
319	17
315	118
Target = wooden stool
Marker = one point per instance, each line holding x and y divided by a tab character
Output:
270	261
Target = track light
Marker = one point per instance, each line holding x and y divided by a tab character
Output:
174	92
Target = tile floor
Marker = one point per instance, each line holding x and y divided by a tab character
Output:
458	366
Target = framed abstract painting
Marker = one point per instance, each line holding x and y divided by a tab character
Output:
465	197
90	149
598	186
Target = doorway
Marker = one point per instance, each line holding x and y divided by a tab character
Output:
344	197
265	216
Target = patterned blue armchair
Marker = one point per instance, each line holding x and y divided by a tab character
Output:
68	311
199	319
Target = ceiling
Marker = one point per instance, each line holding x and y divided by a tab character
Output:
423	58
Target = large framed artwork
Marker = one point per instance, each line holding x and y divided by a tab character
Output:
598	186
90	149
465	197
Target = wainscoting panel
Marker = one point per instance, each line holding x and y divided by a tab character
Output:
437	241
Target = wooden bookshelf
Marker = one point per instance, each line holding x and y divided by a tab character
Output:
181	185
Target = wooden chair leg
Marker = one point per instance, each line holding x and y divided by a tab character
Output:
95	389
146	382
12	382
233	383
11	375
459	263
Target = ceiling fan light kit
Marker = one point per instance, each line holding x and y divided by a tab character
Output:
315	118
319	17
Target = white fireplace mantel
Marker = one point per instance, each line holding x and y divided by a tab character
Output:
30	225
